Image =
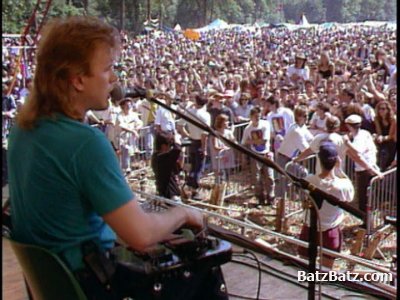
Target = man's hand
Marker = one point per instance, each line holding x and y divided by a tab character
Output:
376	172
194	219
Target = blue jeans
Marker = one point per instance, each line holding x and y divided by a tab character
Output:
196	159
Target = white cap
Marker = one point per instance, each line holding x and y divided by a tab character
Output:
353	119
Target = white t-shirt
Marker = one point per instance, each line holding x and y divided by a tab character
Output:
303	73
281	120
369	112
318	122
143	107
165	119
259	132
364	143
202	114
336	139
243	111
297	138
342	188
130	121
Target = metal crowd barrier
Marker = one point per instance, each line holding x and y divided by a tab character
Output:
140	161
238	130
146	142
349	169
382	200
293	194
232	168
235	225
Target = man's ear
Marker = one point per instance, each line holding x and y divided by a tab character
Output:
77	82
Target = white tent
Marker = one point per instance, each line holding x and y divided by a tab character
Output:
303	20
178	27
214	25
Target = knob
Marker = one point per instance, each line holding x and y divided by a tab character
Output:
157	287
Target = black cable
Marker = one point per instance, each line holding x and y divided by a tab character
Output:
245	251
280	277
259	270
235	238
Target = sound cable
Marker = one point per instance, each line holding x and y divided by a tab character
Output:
245	251
282	277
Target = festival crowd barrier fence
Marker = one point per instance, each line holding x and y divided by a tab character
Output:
382	200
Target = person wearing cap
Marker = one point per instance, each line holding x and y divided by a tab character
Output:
298	71
257	136
343	145
331	216
363	142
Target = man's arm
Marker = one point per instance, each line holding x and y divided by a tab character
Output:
303	155
357	157
142	230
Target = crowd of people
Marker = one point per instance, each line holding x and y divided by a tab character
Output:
293	88
334	72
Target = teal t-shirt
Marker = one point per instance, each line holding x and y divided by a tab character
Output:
63	175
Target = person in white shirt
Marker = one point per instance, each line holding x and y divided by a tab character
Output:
280	119
165	120
343	146
363	142
147	112
198	141
257	136
331	216
296	140
298	72
128	125
242	111
319	117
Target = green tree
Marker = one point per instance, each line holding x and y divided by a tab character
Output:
350	10
390	7
15	14
372	10
333	10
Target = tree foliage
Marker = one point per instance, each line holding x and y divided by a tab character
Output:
130	14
